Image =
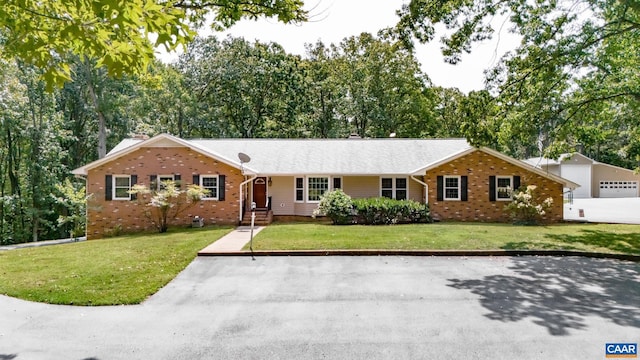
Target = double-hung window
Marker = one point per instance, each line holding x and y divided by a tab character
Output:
452	188
163	178
316	187
503	188
121	187
210	183
299	189
394	188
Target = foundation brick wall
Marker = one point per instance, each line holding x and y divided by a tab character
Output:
478	166
106	215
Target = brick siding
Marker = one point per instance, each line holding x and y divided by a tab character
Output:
478	166
104	216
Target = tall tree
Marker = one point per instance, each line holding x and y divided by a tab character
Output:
120	35
385	90
246	90
323	93
576	59
30	155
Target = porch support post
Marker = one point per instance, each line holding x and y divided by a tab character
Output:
242	184
426	188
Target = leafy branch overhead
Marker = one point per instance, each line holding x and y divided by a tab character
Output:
575	68
120	35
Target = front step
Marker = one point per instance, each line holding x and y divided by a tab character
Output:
263	218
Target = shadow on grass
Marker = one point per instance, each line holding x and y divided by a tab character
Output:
628	243
560	293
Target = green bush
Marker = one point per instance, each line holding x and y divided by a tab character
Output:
376	211
527	208
337	206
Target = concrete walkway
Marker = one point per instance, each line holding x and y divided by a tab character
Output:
233	241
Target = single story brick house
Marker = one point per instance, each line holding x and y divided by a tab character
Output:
286	177
596	179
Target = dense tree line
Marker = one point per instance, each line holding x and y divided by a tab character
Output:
572	85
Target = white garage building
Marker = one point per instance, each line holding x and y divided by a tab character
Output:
596	179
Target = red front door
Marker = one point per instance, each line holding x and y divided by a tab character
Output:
260	192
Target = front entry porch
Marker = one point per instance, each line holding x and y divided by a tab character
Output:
263	217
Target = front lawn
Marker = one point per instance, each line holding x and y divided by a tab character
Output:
121	270
608	238
128	269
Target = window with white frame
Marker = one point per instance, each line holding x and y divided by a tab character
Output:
504	188
210	183
316	187
299	189
452	187
163	178
394	188
121	187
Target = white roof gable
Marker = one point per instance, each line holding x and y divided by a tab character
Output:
127	146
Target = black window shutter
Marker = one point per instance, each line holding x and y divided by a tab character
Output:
440	187
516	182
463	188
177	178
221	186
196	179
134	180
153	182
108	187
492	188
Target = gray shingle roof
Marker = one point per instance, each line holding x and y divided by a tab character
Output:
323	157
336	156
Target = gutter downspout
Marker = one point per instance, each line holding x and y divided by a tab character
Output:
426	189
241	198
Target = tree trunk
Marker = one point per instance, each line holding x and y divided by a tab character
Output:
102	130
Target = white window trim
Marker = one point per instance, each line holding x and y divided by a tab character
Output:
393	186
306	185
498	177
159	179
114	187
444	187
296	188
217	185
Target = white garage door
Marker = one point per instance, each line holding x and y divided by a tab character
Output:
581	175
618	189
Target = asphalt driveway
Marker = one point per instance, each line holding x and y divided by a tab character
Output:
348	308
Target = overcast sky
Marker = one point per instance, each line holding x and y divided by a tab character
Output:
333	20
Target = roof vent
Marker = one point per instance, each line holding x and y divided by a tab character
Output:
354	136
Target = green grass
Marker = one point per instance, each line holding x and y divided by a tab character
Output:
608	238
121	270
128	269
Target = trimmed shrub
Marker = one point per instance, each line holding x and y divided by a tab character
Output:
337	206
381	210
